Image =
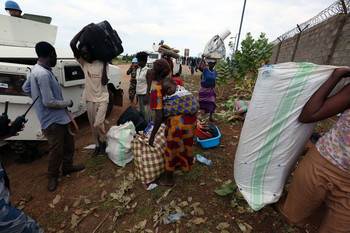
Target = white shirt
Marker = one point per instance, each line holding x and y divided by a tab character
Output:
141	85
94	90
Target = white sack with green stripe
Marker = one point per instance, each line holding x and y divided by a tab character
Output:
119	143
272	138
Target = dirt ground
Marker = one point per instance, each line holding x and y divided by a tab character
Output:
83	202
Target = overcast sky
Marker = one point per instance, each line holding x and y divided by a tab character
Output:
180	23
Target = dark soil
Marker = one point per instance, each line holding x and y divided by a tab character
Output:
87	194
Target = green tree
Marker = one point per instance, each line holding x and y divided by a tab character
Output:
225	74
253	54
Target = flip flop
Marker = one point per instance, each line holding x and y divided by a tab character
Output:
162	183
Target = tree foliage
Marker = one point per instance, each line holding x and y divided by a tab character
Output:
253	54
243	69
224	71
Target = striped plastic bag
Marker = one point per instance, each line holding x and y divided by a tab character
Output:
272	138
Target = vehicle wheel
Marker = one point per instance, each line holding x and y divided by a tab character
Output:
110	103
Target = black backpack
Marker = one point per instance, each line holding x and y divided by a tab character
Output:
131	114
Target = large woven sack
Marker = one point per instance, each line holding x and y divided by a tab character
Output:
119	143
149	161
272	138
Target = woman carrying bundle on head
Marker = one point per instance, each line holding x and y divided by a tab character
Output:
206	94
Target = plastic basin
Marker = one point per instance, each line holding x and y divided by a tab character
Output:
201	135
211	142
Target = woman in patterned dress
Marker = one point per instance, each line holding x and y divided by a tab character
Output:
180	129
206	93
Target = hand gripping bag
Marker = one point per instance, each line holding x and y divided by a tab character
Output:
119	143
272	138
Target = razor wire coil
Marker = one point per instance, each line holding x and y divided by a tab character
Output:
334	9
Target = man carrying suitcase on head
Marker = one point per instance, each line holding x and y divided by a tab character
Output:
96	92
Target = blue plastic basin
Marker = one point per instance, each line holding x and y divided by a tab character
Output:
211	142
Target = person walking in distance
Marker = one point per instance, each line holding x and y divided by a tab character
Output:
132	71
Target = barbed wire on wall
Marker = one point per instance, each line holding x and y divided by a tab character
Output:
332	10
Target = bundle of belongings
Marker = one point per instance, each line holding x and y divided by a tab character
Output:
215	48
166	50
181	102
206	130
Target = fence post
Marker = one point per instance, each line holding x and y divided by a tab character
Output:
297	42
344	7
336	39
278	49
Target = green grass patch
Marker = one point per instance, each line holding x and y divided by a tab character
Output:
96	164
120	61
220	202
198	150
157	192
107	205
88	189
197	171
55	219
144	211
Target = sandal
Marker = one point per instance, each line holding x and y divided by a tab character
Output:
164	183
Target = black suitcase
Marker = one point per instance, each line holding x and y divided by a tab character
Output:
131	114
103	40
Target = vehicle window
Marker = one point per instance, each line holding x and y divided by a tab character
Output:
72	73
153	56
11	84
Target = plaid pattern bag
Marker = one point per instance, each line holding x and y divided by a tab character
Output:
149	161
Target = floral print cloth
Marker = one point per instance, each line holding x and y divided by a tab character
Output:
335	144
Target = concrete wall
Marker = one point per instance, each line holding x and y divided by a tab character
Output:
327	43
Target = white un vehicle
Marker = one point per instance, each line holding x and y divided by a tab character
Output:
155	54
17	57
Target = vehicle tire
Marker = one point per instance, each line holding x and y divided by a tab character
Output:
110	103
